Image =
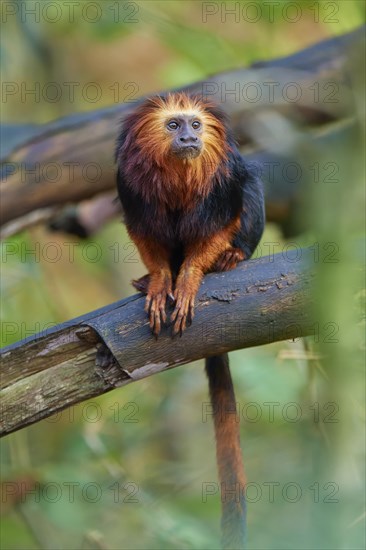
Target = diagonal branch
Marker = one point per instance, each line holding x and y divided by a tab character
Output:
262	301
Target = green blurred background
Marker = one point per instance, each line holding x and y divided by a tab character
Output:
126	470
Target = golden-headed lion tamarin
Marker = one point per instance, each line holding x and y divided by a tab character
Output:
191	205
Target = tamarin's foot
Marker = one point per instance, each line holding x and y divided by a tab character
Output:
159	289
141	284
229	259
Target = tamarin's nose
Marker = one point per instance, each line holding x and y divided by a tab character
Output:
188	138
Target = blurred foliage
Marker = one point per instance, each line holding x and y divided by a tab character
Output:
126	470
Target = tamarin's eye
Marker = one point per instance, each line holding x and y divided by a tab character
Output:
196	124
172	125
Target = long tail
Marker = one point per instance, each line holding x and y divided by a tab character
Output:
228	452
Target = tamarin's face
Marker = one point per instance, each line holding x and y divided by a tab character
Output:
175	132
185	132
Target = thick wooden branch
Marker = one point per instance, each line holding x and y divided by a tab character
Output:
71	160
262	301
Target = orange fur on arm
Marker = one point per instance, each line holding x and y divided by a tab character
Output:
156	258
200	257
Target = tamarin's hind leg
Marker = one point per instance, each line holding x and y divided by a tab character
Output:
141	284
229	259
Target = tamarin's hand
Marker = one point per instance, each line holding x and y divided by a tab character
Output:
158	292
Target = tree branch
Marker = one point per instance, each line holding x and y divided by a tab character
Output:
71	159
262	301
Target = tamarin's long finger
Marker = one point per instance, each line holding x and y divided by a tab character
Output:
182	315
191	308
150	310
155	307
162	312
175	312
147	303
155	324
